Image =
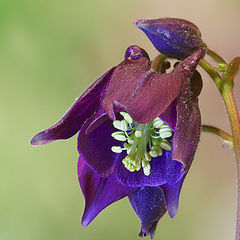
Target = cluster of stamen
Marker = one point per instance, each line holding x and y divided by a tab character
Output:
142	142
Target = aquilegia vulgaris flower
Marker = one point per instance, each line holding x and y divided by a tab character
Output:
138	133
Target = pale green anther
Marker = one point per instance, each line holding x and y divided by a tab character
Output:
138	167
131	164
119	136
130	141
156	142
165	145
127	117
134	163
148	156
159	151
129	158
138	134
147	169
157	122
165	132
129	150
117	124
117	133
156	151
153	153
131	169
116	149
124	125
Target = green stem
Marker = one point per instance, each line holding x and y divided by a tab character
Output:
219	132
158	62
212	73
215	56
225	86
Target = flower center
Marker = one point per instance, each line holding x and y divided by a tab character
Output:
142	142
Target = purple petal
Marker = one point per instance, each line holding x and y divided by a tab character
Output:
174	171
174	37
98	192
171	193
88	180
149	205
188	127
138	179
196	84
96	120
169	116
96	146
82	109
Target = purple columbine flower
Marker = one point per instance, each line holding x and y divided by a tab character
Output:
174	37
138	133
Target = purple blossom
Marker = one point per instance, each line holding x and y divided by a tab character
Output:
134	162
174	37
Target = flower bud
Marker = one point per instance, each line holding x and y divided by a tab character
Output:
176	38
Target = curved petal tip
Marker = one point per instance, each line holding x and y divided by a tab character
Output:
150	232
41	139
86	220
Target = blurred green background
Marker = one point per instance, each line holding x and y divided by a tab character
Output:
50	51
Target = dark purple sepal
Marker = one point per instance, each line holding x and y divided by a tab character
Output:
176	38
95	147
98	192
187	133
171	194
127	78
153	96
149	205
158	91
188	126
143	93
82	109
